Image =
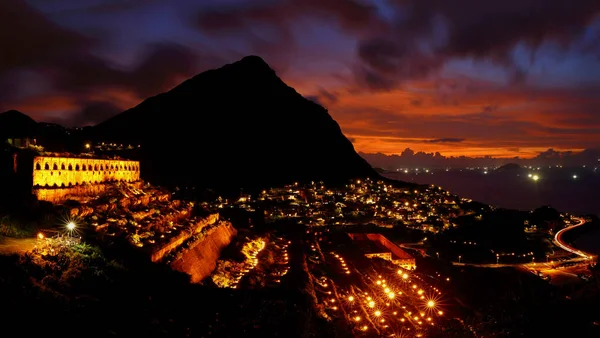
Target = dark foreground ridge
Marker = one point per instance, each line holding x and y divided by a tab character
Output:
236	126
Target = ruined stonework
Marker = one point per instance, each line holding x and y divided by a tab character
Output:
49	172
57	179
200	260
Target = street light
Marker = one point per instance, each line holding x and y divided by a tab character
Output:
71	226
459	257
497	258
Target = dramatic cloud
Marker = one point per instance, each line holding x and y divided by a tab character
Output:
350	14
445	140
464	77
411	159
427	33
93	113
28	39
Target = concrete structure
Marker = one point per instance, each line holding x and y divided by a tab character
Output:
377	245
49	172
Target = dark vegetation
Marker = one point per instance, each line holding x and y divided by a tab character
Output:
505	302
87	290
479	237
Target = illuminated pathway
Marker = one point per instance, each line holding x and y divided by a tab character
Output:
377	300
559	242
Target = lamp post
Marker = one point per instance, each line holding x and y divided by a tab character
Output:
497	259
459	257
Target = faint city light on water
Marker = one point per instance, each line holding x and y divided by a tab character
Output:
574	177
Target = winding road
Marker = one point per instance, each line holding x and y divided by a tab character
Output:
559	242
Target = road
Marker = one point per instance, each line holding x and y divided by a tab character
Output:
11	246
559	242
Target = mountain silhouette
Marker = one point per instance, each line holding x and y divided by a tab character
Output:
236	126
14	124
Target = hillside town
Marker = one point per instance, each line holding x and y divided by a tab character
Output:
426	208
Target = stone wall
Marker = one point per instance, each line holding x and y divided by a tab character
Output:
66	172
60	195
175	242
201	260
396	254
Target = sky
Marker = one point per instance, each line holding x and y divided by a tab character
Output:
463	78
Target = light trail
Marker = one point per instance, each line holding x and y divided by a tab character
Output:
558	241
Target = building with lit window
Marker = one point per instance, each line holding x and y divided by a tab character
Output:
377	245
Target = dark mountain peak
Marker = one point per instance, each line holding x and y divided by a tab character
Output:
15	115
15	124
254	61
239	125
509	167
251	72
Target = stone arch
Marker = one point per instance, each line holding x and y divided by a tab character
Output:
77	167
55	167
95	167
62	166
70	166
38	166
83	167
46	166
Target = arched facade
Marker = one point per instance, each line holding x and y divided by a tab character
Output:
76	171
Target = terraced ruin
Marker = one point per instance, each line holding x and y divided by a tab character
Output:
168	230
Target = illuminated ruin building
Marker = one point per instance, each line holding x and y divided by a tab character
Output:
52	172
56	179
376	245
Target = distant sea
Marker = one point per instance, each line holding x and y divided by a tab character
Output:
515	190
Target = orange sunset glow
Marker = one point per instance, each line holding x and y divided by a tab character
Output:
390	79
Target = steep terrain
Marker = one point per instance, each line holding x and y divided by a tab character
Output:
237	126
